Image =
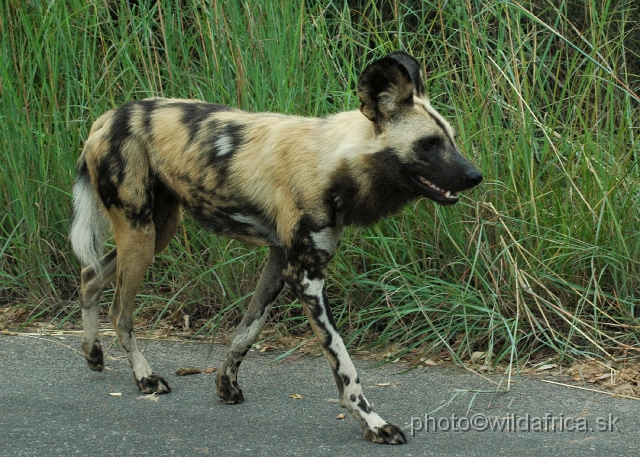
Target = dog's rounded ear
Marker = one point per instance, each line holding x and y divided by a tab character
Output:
385	87
413	67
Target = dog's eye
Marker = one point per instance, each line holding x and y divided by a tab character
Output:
429	143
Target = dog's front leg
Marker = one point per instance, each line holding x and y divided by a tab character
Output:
311	291
269	286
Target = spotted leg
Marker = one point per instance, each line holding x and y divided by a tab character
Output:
305	274
269	286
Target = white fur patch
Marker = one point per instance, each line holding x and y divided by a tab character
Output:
141	368
313	287
249	220
374	421
325	240
90	225
224	145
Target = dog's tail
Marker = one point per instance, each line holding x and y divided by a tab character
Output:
90	223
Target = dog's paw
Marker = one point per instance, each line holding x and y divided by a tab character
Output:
153	384
387	434
94	356
228	391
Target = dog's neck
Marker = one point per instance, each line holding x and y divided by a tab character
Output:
367	188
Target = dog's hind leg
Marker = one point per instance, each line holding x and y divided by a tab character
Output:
92	285
89	231
269	286
165	220
135	243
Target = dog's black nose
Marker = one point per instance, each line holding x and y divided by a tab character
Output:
473	178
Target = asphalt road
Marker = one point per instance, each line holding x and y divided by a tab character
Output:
52	404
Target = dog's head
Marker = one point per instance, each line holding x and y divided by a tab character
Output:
429	164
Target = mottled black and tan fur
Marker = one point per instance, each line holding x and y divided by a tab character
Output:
290	183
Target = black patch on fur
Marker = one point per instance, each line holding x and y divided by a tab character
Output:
82	171
327	309
219	219
362	404
442	164
388	193
110	174
95	360
139	216
229	391
142	215
165	202
304	258
428	149
153	384
303	254
195	114
242	354
315	308
111	168
234	133
120	129
148	106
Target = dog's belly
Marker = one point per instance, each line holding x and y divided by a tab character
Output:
239	225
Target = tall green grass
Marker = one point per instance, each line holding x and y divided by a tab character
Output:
545	99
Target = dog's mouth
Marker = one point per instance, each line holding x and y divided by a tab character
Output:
430	190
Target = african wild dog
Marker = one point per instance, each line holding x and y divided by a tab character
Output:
287	182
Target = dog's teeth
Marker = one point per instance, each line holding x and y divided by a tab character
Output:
447	194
